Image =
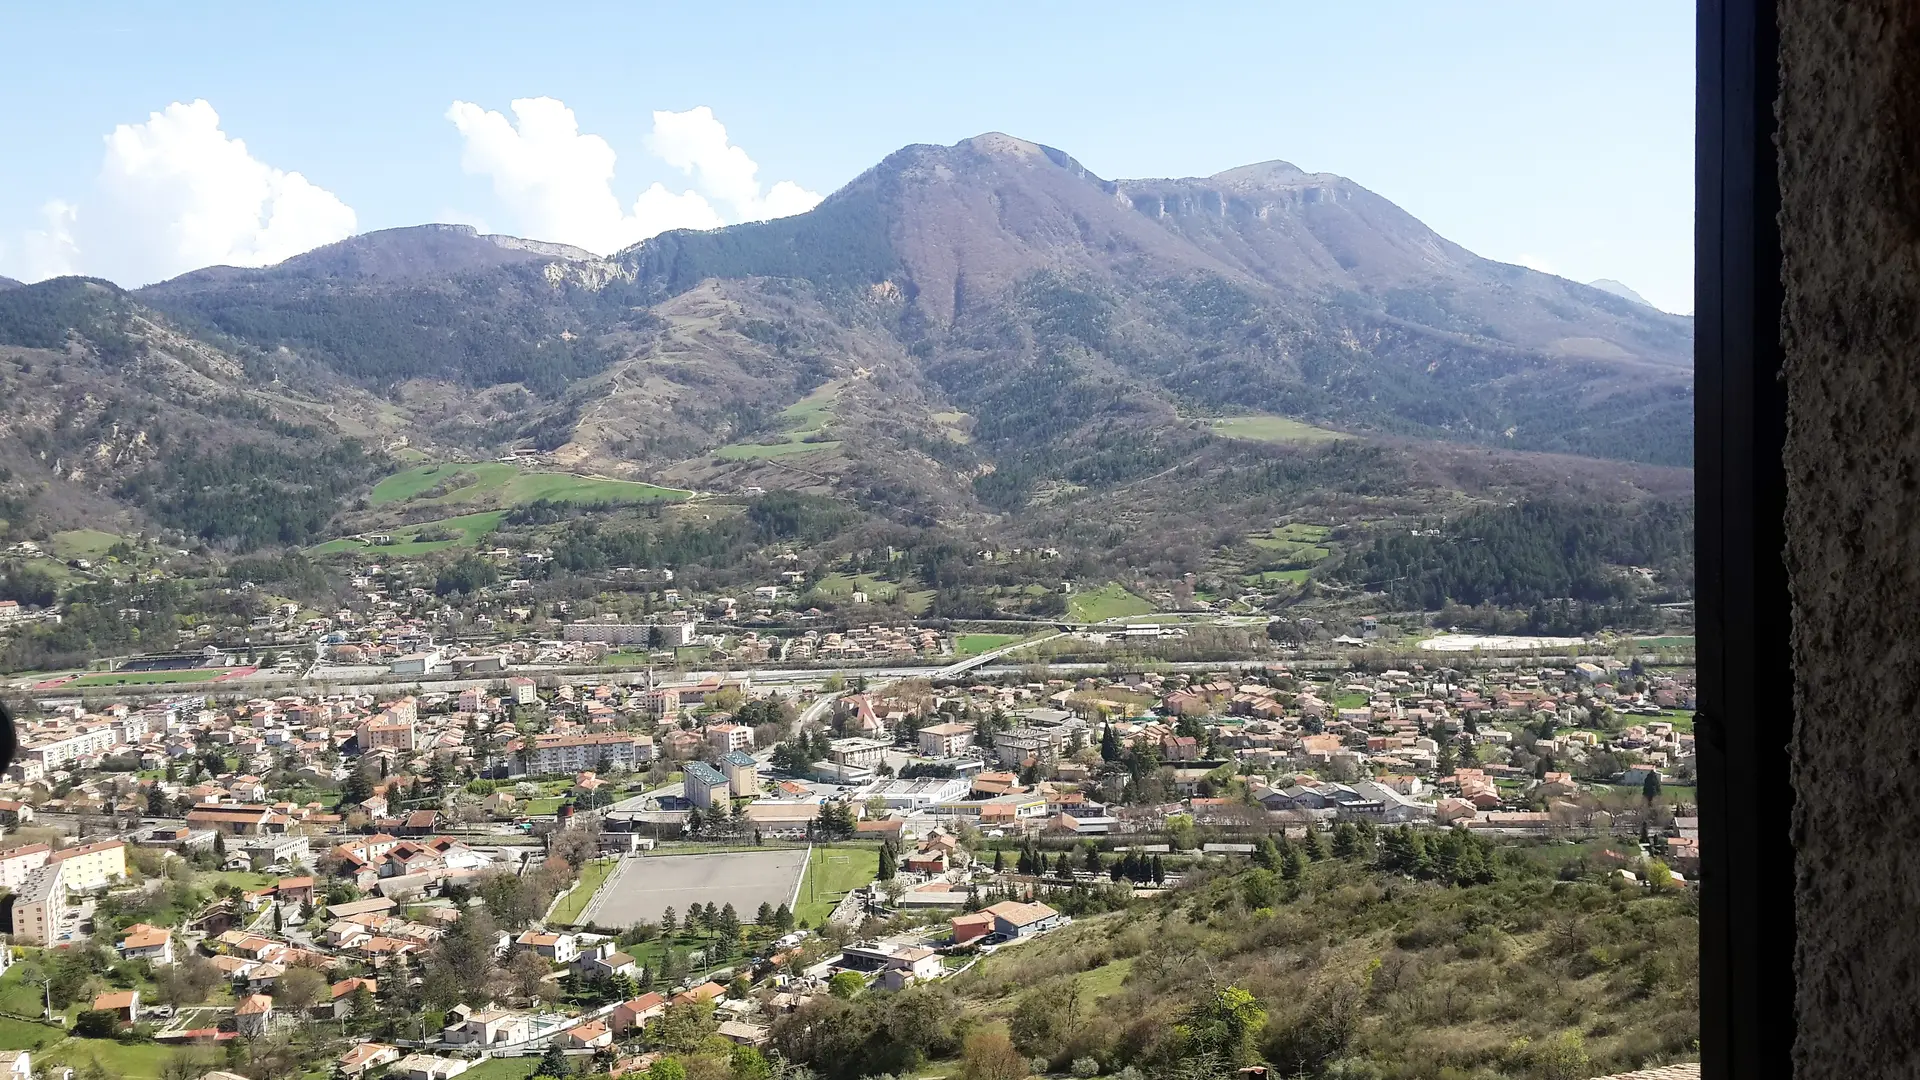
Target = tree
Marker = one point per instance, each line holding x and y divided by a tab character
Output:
96	1023
764	916
529	973
1346	840
887	866
1223	1025
988	1054
999	861
220	847
667	1068
554	1062
846	985
1109	744
668	923
783	918
1650	787
298	987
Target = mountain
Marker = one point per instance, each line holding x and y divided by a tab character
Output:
421	252
117	419
985	335
1619	289
8	283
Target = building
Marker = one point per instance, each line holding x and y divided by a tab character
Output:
60	749
386	731
742	772
428	1067
1014	919
545	755
725	738
635	1013
945	740
124	1004
703	783
856	752
1013	749
39	907
237	819
359	1059
18	864
420	663
488	1027
522	690
277	850
16	1065
253	1017
591	1035
609	633
559	948
149	943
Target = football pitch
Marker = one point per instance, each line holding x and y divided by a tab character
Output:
644	886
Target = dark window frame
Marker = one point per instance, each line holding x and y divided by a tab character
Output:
1744	609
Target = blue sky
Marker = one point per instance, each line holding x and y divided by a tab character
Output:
1557	134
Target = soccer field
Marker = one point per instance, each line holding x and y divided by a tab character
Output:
643	886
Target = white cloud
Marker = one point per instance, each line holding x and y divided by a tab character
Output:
557	183
177	193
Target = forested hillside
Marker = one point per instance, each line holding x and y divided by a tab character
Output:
1535	554
1414	957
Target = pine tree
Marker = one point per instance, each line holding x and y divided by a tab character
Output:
1346	840
1316	844
783	918
1159	871
764	916
667	923
999	861
887	867
553	1062
1292	863
1109	744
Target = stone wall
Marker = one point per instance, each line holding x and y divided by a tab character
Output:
1849	115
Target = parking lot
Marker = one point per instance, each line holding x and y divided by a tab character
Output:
643	886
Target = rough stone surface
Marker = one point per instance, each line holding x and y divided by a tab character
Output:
1849	116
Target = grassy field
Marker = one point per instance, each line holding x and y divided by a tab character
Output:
975	644
25	1035
833	872
838	586
1273	429
143	1061
471	528
1681	719
575	902
1110	601
804	419
505	484
149	678
82	543
504	1068
1291	577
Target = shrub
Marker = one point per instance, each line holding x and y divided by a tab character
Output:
1085	1068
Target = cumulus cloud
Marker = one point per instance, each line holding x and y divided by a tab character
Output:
558	182
176	193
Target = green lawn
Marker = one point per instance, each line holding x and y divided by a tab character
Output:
508	484
1110	601
975	644
504	1068
25	1035
470	527
832	872
807	418
1681	719
148	678
1105	980
1351	700
568	910
1273	429
1292	577
82	543
122	1060
838	586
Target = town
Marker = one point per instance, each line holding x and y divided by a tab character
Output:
542	875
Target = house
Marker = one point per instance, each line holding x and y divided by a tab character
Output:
610	965
703	783
124	1004
588	1036
745	1034
359	1059
152	944
558	948
707	991
294	890
725	738
486	1027
971	926
635	1013
341	995
14	812
428	1067
1014	919
253	1017
16	1065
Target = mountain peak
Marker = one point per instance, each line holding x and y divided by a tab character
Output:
1000	144
1619	289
